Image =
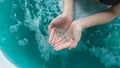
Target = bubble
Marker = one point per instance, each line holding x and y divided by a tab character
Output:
23	42
39	24
107	57
14	28
45	57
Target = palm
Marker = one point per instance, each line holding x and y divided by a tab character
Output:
58	26
70	39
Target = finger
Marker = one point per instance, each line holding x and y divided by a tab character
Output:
53	40
50	27
73	45
75	41
61	42
62	46
61	36
51	35
55	37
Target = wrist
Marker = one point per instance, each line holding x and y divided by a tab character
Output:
80	24
77	26
68	15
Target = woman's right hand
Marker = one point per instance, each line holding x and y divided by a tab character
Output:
71	37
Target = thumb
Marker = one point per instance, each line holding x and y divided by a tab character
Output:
73	45
75	42
51	25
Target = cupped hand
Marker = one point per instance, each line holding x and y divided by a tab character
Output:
58	27
71	37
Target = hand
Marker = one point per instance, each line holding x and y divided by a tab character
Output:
58	25
71	37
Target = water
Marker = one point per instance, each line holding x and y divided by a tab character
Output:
5	62
24	36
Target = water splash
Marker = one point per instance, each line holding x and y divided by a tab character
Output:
14	28
108	57
23	42
40	21
38	14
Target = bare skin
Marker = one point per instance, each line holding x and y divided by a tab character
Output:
61	23
70	39
58	27
73	34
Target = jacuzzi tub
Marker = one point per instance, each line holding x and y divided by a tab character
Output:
24	37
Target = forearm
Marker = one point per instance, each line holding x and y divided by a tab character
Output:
68	7
99	18
96	19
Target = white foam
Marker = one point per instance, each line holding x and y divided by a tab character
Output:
14	28
23	42
4	62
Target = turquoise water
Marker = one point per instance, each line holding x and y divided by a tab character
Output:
24	36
